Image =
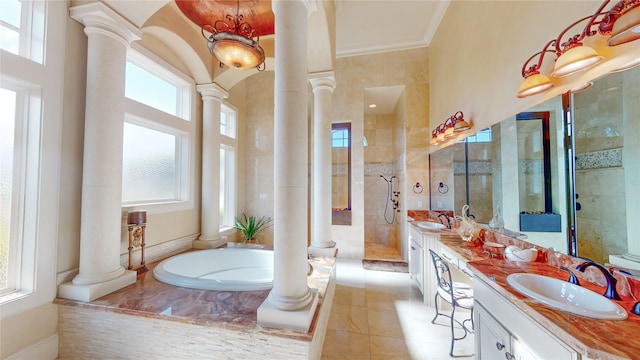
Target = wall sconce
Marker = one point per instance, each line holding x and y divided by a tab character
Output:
621	21
449	124
434	137
454	124
627	27
136	224
460	124
441	130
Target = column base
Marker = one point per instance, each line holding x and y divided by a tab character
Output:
626	261
90	292
209	244
297	320
329	251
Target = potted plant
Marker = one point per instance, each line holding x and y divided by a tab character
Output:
251	226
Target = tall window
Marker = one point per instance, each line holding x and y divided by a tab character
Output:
158	143
9	188
29	162
228	163
22	28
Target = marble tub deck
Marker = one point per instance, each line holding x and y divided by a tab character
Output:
220	312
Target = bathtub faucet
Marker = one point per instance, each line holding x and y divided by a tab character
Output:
611	292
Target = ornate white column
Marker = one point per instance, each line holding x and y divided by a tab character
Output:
212	95
323	85
290	304
109	37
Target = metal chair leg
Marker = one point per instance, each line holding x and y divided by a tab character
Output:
435	301
453	333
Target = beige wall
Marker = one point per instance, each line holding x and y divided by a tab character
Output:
255	106
407	154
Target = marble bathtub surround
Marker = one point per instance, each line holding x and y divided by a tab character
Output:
203	312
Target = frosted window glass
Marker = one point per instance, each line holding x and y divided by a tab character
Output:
228	122
149	165
144	87
223	123
7	131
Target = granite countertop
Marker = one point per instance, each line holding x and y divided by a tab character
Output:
593	338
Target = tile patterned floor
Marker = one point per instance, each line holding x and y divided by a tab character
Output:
380	315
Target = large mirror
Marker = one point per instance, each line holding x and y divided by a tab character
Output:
486	172
607	175
341	173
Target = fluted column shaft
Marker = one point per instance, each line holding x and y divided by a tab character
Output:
323	85
212	96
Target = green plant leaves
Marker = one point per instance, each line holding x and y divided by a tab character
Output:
252	225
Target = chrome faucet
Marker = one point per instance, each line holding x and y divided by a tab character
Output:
448	220
611	292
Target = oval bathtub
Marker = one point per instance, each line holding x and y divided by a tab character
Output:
227	269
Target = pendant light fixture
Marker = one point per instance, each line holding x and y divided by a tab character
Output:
232	42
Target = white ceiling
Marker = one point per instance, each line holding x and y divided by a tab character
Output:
375	26
362	27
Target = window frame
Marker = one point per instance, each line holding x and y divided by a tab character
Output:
181	125
42	187
31	33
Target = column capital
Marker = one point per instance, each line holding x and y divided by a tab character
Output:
98	18
212	90
323	80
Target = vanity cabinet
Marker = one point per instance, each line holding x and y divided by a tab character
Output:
416	261
420	262
502	331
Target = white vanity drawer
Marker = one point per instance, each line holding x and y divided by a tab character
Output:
448	255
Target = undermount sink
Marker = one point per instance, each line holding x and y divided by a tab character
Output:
566	296
428	225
